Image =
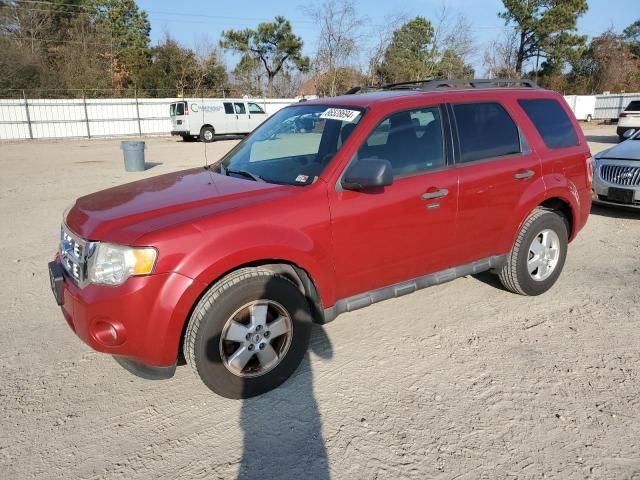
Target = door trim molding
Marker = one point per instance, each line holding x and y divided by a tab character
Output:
365	299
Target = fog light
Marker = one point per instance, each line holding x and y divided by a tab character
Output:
108	332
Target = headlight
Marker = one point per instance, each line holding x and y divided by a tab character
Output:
112	264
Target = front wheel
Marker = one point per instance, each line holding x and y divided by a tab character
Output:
248	333
538	255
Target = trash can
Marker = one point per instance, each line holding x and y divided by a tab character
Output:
133	156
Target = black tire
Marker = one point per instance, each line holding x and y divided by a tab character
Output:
621	138
208	134
202	338
514	274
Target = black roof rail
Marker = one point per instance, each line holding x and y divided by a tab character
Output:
440	84
477	83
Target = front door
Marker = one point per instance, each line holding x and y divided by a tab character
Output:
407	229
243	117
256	115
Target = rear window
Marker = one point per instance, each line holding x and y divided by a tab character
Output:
177	109
551	121
633	106
486	131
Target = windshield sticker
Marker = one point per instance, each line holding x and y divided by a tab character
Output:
302	178
341	114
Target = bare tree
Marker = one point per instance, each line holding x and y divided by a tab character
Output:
340	32
501	55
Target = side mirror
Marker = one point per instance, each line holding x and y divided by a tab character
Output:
368	173
629	133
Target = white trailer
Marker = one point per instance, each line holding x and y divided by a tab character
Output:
206	118
583	106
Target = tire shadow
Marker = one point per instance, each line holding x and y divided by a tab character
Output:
490	279
283	429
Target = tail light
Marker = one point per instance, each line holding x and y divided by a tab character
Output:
622	115
590	168
186	108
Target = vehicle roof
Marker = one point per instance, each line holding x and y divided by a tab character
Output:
386	97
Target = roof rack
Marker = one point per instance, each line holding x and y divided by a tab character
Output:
440	84
470	83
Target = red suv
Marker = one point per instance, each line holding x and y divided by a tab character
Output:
329	206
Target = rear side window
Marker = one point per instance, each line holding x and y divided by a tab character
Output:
551	121
633	106
486	131
228	108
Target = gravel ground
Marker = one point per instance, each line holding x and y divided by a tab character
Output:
463	380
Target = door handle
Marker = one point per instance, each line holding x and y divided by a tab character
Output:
443	192
524	175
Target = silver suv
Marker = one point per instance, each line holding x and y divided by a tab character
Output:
617	173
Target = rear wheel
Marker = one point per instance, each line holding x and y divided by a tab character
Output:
248	333
538	255
207	134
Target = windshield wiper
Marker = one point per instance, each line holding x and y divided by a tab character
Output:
226	171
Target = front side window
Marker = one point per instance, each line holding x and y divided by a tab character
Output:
228	108
551	122
240	110
255	108
485	131
410	140
293	146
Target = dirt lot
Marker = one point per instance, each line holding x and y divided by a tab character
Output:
463	380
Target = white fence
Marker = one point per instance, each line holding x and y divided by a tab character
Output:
44	118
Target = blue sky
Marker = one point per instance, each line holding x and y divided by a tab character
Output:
197	22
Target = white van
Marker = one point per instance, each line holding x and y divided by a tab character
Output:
206	118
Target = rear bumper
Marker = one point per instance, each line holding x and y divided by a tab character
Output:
140	321
180	133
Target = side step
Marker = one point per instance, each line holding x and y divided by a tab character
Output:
385	293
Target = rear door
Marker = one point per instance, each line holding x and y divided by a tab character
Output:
495	166
407	229
179	119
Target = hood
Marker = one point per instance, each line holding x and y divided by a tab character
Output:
124	213
627	150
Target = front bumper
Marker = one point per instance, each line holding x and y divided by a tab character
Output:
600	192
140	320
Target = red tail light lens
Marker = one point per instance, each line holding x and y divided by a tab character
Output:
186	108
622	115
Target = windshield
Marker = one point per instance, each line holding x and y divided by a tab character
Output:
294	146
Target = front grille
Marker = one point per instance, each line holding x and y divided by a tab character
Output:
73	255
621	175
